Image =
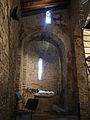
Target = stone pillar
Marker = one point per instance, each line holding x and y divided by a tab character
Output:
81	71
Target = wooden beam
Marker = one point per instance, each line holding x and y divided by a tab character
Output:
41	1
42	10
31	6
37	6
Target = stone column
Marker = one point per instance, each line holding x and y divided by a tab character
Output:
81	71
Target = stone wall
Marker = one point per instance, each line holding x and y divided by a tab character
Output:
34	29
67	35
8	50
51	67
79	57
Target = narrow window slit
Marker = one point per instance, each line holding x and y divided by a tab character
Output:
40	68
48	17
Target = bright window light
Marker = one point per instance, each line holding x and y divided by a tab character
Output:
48	17
40	69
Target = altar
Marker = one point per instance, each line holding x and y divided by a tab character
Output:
45	101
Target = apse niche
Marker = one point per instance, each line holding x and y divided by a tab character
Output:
41	70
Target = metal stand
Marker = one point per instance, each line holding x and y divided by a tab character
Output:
17	98
79	116
31	115
31	105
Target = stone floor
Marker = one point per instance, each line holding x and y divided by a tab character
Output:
28	118
49	116
34	118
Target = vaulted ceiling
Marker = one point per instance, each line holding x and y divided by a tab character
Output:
29	6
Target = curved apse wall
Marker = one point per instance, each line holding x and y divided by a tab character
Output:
51	65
